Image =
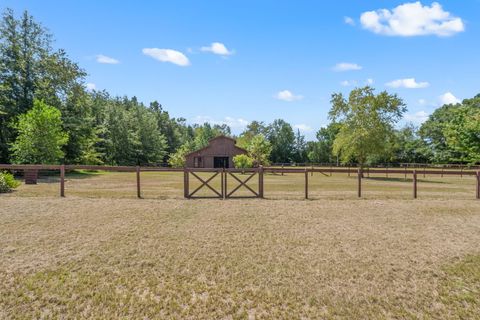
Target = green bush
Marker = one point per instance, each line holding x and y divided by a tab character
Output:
242	161
7	182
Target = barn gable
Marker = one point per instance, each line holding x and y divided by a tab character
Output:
218	153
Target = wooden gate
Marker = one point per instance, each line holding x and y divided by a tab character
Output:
223	193
204	183
242	178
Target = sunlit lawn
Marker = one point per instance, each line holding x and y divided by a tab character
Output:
102	253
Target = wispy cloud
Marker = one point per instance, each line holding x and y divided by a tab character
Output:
346	66
106	60
417	117
303	127
412	19
217	48
349	21
348	83
409	83
167	55
90	86
287	95
234	123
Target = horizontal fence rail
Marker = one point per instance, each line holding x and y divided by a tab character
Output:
260	171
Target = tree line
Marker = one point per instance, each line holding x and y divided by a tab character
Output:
47	115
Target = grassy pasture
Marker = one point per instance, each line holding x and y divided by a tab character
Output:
163	185
102	253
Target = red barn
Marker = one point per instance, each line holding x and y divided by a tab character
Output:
218	154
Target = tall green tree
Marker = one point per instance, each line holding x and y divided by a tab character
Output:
40	136
452	132
282	138
321	151
259	149
366	122
29	69
300	148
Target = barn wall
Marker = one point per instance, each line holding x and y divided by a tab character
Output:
220	147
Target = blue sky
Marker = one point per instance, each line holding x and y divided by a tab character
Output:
273	59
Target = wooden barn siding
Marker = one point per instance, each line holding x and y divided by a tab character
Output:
216	148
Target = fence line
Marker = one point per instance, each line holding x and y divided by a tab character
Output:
231	171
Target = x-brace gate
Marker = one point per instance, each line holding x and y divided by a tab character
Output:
223	192
204	183
241	183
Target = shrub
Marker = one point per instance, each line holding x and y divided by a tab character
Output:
242	161
7	182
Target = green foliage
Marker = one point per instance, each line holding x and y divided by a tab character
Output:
366	123
123	131
242	161
452	132
321	151
282	138
7	182
259	149
204	133
40	136
177	159
30	69
253	128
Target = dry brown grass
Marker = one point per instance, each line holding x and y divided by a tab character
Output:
104	257
169	185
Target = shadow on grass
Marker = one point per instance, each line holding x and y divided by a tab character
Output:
54	177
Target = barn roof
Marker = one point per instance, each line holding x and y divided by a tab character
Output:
216	138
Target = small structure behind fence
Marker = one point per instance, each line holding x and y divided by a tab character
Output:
244	179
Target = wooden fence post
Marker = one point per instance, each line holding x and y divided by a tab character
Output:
185	183
312	172
414	184
260	182
282	169
225	188
306	183
359	174
62	180
137	169
405	174
224	183
348	170
478	184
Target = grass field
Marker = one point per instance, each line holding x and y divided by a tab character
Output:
102	253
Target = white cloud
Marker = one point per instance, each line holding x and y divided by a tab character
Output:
105	59
448	98
346	66
348	83
412	19
217	48
167	55
349	21
303	127
91	86
287	95
234	123
417	117
422	102
369	81
409	83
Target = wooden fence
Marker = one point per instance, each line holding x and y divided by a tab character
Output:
223	193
